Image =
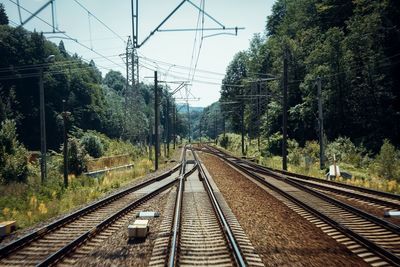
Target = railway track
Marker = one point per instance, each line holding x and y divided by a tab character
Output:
53	242
204	230
375	240
382	200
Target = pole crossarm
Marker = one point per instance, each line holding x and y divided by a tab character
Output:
201	29
162	23
157	29
187	99
205	13
35	13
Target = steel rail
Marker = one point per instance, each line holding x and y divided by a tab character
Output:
23	241
326	187
319	180
237	253
61	253
384	253
177	214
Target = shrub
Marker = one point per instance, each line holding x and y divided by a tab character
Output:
274	145
386	163
92	145
346	151
77	157
295	153
13	155
224	141
311	150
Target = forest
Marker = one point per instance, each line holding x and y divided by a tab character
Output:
352	46
104	104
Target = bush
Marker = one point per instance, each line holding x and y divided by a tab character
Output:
77	157
346	151
386	163
92	145
13	155
224	141
311	150
295	153
274	145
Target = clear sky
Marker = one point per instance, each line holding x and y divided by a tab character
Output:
173	48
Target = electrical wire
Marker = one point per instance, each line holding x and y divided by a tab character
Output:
99	20
83	45
201	40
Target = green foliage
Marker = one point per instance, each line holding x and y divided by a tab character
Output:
224	141
274	145
77	157
13	155
311	150
295	153
345	151
115	80
351	45
387	162
104	106
3	15
93	145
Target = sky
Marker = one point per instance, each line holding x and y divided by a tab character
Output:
172	54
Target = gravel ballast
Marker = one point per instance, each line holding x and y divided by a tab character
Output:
280	236
174	160
118	250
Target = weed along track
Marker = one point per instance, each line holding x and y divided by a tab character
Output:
52	242
375	240
372	201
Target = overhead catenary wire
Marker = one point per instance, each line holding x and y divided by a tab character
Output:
75	40
201	40
99	20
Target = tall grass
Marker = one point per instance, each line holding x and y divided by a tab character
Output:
32	202
379	173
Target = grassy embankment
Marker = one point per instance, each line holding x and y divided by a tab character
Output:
367	171
31	202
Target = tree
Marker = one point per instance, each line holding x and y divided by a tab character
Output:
62	49
3	15
232	89
115	81
13	155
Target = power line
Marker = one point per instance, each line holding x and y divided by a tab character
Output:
94	16
201	40
83	45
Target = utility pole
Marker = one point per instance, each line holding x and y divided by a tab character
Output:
215	126
200	128
188	114
65	148
174	118
223	123
284	106
43	165
242	121
168	126
156	122
258	115
321	127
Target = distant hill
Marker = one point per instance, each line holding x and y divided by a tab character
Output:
182	108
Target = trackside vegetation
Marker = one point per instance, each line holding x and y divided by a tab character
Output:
379	172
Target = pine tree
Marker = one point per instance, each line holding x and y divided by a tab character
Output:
3	15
